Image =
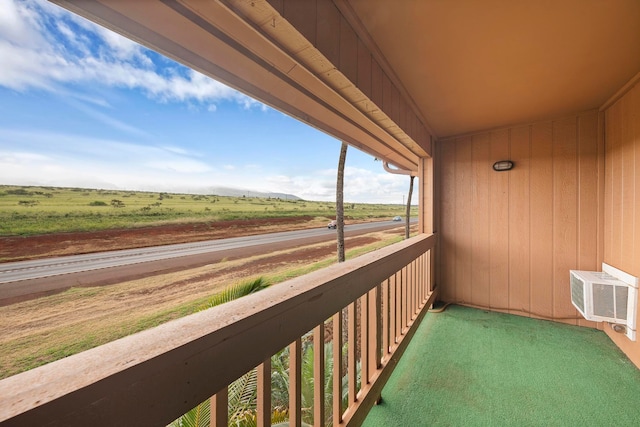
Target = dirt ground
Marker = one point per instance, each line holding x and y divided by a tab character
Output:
41	246
43	329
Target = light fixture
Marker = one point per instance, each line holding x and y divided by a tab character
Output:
503	165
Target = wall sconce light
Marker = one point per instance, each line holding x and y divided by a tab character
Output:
503	165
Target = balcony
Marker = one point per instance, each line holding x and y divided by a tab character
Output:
357	317
342	332
507	239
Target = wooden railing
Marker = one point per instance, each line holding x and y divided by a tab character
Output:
153	377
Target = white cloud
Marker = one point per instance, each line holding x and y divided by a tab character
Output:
20	25
79	161
107	119
44	47
361	185
81	52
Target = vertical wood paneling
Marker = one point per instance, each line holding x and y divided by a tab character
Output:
634	118
499	223
509	239
541	185
328	30
588	191
324	26
348	51
302	15
447	195
395	105
565	232
519	200
413	126
386	94
614	156
481	168
376	83
463	222
608	184
622	196
364	69
627	219
402	114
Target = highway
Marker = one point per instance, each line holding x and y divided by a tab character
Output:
37	269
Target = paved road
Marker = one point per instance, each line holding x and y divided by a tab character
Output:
45	276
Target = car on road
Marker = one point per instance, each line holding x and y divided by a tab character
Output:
397	218
332	225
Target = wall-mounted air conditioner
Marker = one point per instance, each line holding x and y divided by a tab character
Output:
610	295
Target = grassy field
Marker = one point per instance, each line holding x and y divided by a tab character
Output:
40	210
45	329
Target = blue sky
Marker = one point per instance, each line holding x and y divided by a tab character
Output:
81	106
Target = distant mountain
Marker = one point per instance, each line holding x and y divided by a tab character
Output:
239	192
217	191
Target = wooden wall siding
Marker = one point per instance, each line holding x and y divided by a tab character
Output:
622	176
509	239
321	22
622	195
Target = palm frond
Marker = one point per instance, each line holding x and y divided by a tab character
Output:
200	416
243	394
237	291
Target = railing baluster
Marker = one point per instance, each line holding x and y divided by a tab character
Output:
432	263
411	296
264	394
396	308
416	286
220	408
337	368
318	374
364	340
399	294
400	286
385	311
295	383
423	277
405	308
374	333
352	345
427	277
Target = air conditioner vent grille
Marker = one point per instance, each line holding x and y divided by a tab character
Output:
622	300
577	293
607	296
610	301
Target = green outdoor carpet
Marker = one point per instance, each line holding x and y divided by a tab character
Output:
469	367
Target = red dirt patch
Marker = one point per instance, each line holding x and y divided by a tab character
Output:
270	263
42	246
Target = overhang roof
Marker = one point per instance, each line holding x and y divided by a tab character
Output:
471	65
455	66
